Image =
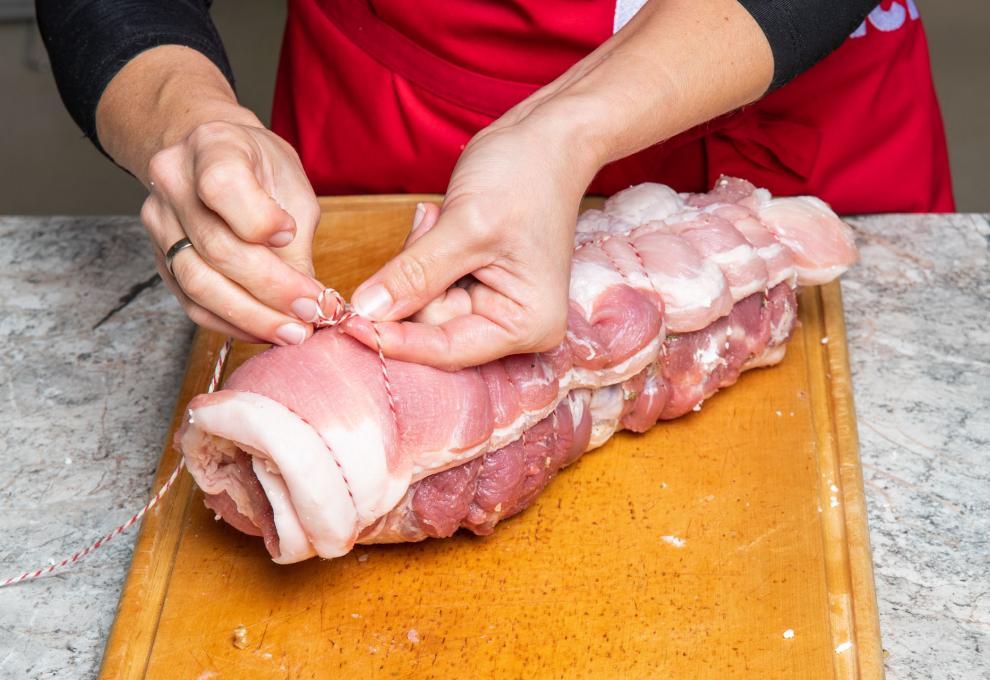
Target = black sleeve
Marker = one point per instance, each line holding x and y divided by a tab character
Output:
89	41
802	32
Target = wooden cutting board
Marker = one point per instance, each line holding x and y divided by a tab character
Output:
728	543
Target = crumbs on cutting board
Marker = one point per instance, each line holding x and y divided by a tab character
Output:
789	633
413	636
843	647
674	541
240	637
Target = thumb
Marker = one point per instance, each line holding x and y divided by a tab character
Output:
430	263
299	256
424	220
305	210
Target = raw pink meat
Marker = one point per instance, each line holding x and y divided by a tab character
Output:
672	296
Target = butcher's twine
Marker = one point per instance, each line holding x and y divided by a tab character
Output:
341	313
103	540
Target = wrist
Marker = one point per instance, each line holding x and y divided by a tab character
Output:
180	118
566	130
157	99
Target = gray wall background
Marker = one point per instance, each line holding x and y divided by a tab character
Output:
47	167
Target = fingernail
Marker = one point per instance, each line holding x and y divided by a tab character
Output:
372	302
418	217
306	309
291	333
280	239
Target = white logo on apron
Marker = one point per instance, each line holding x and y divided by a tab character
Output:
887	20
624	11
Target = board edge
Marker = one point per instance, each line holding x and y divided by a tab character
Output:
133	633
864	606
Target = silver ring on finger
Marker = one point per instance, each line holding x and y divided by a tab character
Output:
170	254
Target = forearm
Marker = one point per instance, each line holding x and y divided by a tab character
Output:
89	42
157	99
678	63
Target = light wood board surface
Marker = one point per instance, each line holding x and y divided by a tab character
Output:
728	543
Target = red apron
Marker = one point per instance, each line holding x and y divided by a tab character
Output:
383	99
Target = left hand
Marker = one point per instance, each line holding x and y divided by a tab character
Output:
507	224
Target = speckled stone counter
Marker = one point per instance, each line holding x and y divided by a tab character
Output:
85	400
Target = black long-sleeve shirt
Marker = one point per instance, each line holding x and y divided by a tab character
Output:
89	41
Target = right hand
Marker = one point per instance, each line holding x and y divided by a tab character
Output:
239	193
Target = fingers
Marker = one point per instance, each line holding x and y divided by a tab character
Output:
459	342
217	294
493	327
298	198
435	258
199	315
424	219
452	303
241	197
254	267
226	163
210	298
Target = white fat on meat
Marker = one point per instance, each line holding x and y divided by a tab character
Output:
577	402
778	260
709	356
781	330
579	377
717	240
294	545
589	347
359	450
590	278
693	289
740	255
606	409
644	203
594	223
316	487
771	356
823	245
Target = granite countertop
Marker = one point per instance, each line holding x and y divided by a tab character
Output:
88	380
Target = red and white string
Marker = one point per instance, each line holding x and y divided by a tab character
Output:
117	531
341	312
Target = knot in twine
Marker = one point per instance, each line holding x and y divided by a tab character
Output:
342	311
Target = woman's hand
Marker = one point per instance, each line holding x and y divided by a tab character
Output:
508	218
217	177
504	235
239	193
